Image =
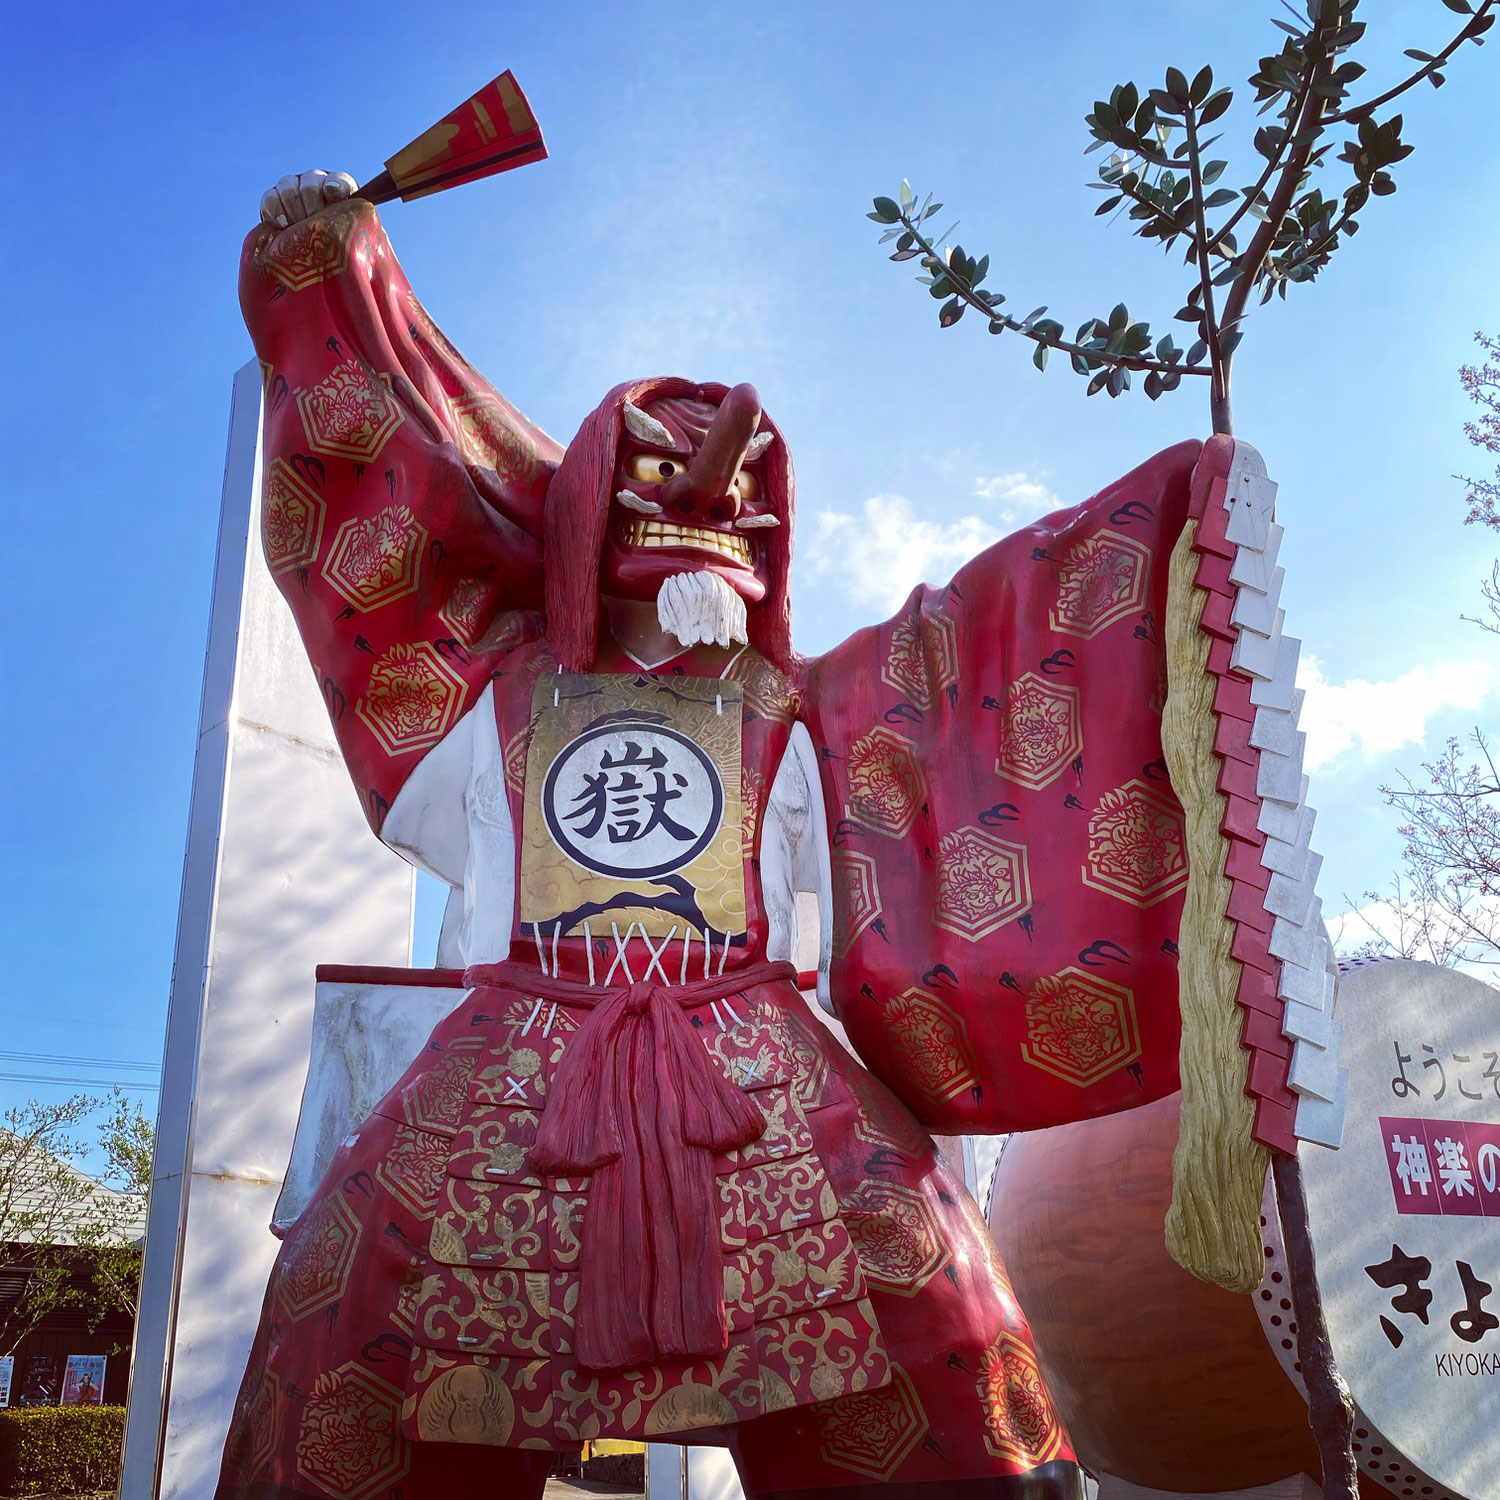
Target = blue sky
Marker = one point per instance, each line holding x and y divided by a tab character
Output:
702	213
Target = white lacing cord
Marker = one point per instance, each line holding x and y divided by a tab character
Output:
656	953
541	953
588	946
620	957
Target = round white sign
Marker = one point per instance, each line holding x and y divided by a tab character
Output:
632	800
1405	1218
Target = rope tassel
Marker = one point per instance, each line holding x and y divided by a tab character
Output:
638	1103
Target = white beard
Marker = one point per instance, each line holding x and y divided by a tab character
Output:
701	607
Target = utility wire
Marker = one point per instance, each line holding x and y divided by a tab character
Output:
86	1062
92	1083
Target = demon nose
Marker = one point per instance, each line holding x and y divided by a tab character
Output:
709	480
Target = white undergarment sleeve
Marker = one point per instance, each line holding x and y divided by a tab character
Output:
452	819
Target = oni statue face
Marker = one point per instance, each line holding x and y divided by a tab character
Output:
688	497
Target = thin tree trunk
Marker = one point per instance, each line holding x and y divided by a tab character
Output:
1330	1407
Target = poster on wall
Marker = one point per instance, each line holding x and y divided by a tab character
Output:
6	1366
40	1380
83	1384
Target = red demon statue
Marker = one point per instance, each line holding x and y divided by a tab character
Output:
633	1187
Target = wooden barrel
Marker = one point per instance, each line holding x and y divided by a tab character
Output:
1163	1380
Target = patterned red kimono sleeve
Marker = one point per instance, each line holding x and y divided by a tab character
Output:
402	498
1009	859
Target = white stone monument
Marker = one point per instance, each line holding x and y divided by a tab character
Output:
281	873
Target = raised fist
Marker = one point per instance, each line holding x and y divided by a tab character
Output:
301	194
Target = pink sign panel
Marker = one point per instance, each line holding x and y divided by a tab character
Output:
1444	1167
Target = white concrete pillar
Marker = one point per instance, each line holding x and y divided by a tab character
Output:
281	873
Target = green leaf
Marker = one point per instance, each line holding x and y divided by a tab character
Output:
1219	197
1202	83
1213	171
996	326
950	312
1216	106
1461	6
1230	341
886	211
1197	353
1107	205
908	199
1177	84
1119	318
1039	356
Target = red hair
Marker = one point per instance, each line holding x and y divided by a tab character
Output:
577	516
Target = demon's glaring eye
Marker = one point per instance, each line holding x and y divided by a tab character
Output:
652	468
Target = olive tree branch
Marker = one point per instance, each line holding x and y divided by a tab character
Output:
1040	334
1219	392
1474	30
1289	115
1306	134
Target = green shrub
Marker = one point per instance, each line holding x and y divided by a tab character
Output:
61	1450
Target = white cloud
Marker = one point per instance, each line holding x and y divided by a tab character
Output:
1376	718
1018	497
877	557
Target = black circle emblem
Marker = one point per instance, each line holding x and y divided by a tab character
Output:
632	800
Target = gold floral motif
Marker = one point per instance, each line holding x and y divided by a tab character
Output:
350	1443
872	1433
753	1052
375	561
934	1043
318	1257
350	413
768	692
309	252
809	1065
1103	578
414	1168
413	698
488	1311
689	1406
500	1225
263	1422
466	1404
1136	846
767	1200
404	1313
786	1134
752	801
435	1100
515	760
1079	1027
493	1144
1020	1421
291	519
923	657
422	319
882	1120
900	1242
1042	732
982	883
489	437
468	608
886	786
856	897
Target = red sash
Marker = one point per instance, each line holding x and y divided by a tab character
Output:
639	1105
